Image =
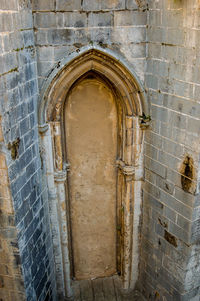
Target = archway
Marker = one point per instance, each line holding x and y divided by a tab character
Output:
130	102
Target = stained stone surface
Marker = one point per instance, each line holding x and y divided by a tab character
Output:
103	289
160	40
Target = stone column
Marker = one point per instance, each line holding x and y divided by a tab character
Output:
47	153
60	180
60	177
127	220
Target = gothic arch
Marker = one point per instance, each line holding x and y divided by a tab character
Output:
130	162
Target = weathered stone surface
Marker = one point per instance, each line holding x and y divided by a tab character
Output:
168	66
21	226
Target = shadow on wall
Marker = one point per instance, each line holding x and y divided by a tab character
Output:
11	282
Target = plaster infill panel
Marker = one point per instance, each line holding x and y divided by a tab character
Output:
91	143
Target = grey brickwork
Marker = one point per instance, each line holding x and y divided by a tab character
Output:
71	25
170	231
19	96
160	39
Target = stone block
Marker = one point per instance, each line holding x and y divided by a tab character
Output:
45	20
44	68
16	16
68	5
40	5
16	41
127	35
153	190
151	81
182	105
156	34
6	22
74	19
90	5
26	20
168	160
179	232
100	35
45	53
170	214
27	55
175	205
31	169
155	17
196	231
25	191
100	19
155	4
154	50
193	126
185	197
172	17
175	36
156	167
29	138
150	176
60	36
6	42
28	218
30	71
165	185
61	51
150	151
2	65
129	18
32	120
154	139
24	126
10	64
185	56
11	5
41	37
30	89
173	148
25	159
159	113
131	4
184	223
177	120
183	89
174	269
28	38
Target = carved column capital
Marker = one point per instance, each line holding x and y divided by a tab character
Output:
60	176
127	170
43	128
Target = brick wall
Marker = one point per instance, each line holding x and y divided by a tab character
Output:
170	232
63	27
18	108
168	65
11	280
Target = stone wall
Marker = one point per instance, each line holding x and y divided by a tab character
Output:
63	27
11	280
160	40
26	229
169	268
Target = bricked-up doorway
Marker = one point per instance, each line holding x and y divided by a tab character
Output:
104	130
91	142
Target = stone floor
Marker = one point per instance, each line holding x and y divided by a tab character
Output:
102	289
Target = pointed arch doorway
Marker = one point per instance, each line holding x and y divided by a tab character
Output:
92	146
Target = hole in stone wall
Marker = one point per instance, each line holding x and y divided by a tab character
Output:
187	172
171	239
14	147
